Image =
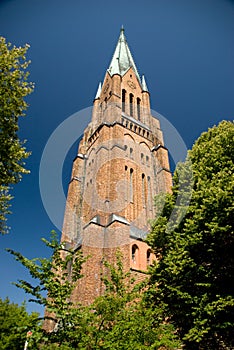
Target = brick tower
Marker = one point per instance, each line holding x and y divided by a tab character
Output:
120	166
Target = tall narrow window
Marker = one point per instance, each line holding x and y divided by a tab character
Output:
143	190
149	193
148	256
126	177
131	185
134	253
138	108
131	152
69	270
131	104
123	99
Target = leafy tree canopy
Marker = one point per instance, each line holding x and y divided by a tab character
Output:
195	273
14	87
54	282
119	319
15	322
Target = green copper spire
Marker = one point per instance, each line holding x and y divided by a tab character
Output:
122	59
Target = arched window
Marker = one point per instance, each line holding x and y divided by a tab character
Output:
134	254
131	152
123	99
126	177
131	185
138	108
149	193
143	190
148	254
69	269
131	104
105	103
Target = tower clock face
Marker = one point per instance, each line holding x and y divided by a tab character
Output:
131	84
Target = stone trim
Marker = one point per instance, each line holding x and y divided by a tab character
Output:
75	178
156	148
140	271
112	218
165	169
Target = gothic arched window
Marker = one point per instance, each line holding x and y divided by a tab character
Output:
149	193
148	254
123	99
131	185
138	108
143	190
131	104
135	253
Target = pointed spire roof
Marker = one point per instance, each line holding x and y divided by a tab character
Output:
122	59
98	91
143	84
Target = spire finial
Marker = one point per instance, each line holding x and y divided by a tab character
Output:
122	28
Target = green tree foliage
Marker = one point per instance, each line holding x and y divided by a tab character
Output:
119	319
55	279
14	87
195	273
54	284
15	322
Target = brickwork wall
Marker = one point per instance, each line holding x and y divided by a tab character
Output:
100	244
120	167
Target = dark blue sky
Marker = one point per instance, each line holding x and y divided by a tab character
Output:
184	48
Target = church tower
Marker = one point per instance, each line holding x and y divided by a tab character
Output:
120	166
